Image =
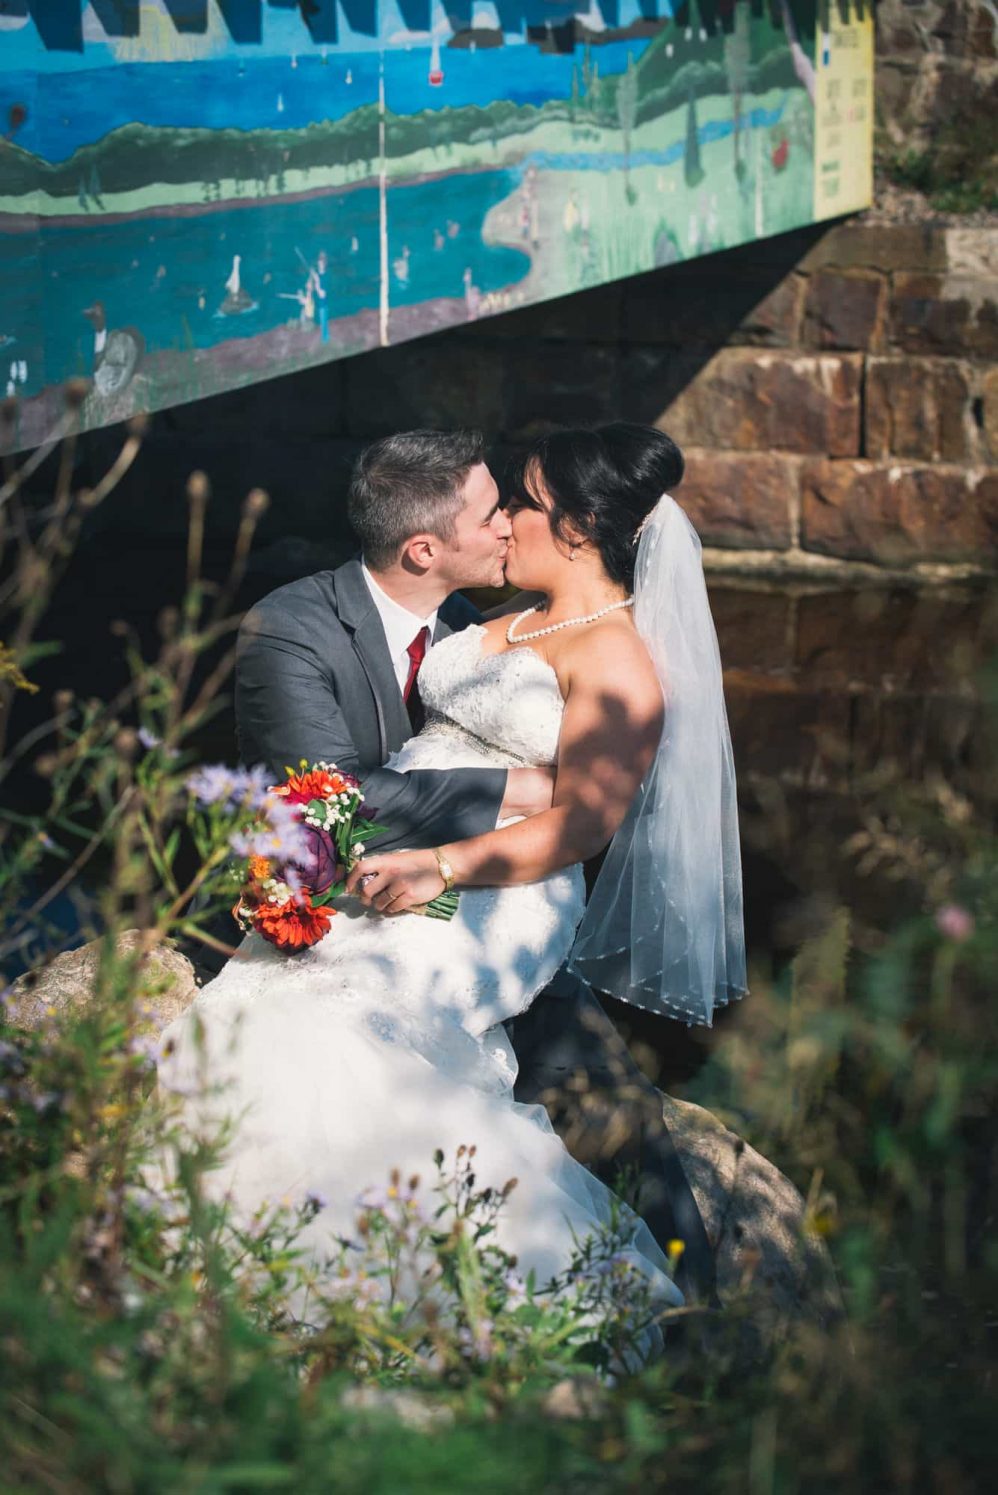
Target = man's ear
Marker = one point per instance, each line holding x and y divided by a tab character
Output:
419	552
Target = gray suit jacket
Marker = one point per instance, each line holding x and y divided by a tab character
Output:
314	680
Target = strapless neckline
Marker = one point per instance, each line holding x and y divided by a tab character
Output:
487	655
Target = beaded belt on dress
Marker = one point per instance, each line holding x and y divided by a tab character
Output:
437	722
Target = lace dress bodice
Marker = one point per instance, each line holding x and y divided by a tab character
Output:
499	708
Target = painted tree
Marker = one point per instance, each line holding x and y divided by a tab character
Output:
627	111
738	64
692	169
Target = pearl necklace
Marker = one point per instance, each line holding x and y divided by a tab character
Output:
521	638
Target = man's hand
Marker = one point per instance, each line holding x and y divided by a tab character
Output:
528	792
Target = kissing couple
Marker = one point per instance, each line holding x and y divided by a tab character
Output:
503	753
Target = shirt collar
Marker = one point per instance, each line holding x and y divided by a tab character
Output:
400	625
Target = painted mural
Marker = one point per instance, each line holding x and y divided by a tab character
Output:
196	194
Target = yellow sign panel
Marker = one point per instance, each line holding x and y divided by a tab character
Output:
843	174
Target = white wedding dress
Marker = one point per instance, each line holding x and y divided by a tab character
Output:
383	1042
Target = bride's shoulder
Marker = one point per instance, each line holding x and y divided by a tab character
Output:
612	653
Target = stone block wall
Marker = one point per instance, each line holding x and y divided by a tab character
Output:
871	436
835	390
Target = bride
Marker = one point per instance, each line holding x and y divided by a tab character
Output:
384	1042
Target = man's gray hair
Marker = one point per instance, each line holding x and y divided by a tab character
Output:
410	484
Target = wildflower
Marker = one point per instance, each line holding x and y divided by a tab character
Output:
478	1340
144	1046
232	788
279	837
373	1199
954	922
149	740
45	1100
516	1289
315	1202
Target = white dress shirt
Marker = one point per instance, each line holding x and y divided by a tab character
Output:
400	625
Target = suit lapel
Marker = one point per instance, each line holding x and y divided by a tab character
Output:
359	615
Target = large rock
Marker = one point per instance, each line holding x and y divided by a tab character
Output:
65	987
755	1222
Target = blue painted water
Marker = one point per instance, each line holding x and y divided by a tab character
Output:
166	276
70	109
714	129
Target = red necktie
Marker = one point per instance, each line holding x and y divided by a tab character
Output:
417	653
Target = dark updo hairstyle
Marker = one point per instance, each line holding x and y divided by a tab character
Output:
604	482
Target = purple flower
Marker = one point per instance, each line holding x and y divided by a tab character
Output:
516	1289
315	1202
954	922
479	1340
145	1046
280	836
233	788
45	1100
149	740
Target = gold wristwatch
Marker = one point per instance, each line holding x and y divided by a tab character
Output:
446	870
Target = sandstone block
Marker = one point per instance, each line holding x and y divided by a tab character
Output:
949	314
708	305
895	514
844	309
436	382
858	245
918	408
973	252
747	399
988	412
754	626
742	500
891	640
548	384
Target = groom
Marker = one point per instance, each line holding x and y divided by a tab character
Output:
328	669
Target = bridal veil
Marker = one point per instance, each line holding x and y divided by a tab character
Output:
663	928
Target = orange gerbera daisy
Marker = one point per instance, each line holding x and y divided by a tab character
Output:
317	783
291	925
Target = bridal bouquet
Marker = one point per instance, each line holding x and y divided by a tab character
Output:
287	896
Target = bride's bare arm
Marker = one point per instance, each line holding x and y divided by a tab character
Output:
610	730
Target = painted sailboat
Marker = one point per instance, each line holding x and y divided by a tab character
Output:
436	76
